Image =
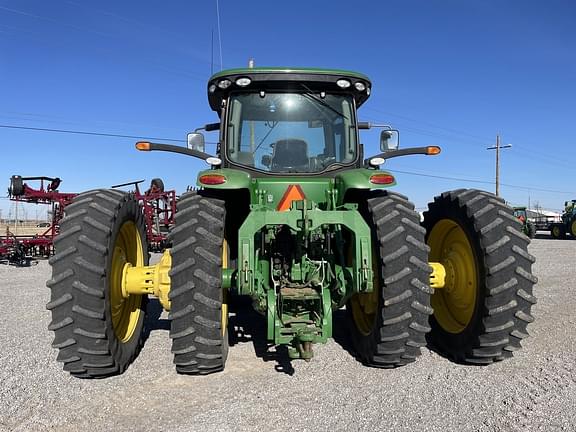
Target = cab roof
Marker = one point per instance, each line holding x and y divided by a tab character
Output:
287	79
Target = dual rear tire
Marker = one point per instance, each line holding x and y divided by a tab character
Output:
480	315
389	324
97	331
199	312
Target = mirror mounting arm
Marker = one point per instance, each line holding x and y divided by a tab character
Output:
429	150
209	127
148	146
368	125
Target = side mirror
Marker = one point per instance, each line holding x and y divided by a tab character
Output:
389	140
266	160
195	141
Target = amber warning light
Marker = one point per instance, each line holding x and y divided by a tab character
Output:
143	146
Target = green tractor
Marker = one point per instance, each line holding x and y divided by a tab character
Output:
293	215
528	227
567	225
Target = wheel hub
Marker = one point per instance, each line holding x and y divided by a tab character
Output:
144	280
127	252
454	305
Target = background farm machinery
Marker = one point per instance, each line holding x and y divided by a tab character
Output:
567	224
528	226
22	249
158	209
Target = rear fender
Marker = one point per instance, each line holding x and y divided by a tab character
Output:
358	179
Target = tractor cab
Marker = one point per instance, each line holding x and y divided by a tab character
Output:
520	213
285	121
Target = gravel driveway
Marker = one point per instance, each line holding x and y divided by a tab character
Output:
262	390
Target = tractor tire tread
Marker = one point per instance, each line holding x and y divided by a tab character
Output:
507	280
83	333
199	345
402	322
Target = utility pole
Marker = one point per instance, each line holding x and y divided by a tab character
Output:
497	147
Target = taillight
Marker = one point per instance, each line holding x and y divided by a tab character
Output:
382	179
212	179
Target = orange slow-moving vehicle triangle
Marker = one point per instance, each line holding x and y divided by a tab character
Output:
293	193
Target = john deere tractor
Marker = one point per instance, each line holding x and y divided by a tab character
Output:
567	225
292	214
528	227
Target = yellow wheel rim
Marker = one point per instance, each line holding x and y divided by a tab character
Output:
573	228
455	303
556	231
224	309
365	305
128	249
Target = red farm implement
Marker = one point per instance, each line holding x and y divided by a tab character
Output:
20	250
159	208
15	251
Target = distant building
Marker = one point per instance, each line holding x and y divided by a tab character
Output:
543	218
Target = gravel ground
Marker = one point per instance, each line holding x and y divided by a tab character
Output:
260	390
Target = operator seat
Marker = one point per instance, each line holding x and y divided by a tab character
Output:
291	153
245	158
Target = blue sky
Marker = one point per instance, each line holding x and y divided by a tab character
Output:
448	73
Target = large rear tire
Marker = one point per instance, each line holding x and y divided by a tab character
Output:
157	184
530	230
390	324
97	331
16	186
557	232
199	311
482	312
573	228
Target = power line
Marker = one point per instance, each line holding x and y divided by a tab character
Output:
435	134
480	140
28	14
528	188
51	118
543	157
68	131
149	61
527	152
439	176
